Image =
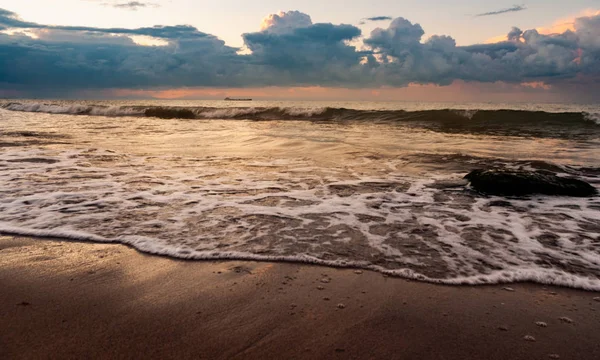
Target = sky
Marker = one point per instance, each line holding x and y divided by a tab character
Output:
377	50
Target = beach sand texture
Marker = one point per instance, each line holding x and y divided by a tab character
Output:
63	299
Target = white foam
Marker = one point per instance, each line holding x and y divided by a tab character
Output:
74	109
115	111
466	113
227	113
297	211
48	108
298	111
150	245
595	117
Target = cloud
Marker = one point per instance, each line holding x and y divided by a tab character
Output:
379	18
11	20
290	50
514	34
127	5
132	5
515	8
399	37
285	22
375	18
73	57
526	56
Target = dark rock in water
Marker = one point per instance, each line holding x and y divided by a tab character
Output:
519	183
167	113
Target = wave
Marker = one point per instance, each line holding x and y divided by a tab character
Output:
428	228
74	109
490	122
296	113
594	117
555	277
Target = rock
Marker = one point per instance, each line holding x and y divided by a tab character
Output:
519	183
566	320
341	306
529	338
509	289
541	324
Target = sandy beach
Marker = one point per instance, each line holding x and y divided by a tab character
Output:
63	299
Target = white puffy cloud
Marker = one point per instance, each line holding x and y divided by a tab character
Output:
285	22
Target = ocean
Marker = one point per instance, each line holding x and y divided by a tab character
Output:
371	185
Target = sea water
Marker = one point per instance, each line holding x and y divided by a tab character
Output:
354	184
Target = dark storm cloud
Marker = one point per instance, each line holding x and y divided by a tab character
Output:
289	51
515	8
304	47
305	55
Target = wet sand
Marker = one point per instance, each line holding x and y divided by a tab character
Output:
62	299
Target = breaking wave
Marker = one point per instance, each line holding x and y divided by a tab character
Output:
593	117
296	113
73	109
520	123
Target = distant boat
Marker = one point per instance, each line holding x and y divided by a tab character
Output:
234	99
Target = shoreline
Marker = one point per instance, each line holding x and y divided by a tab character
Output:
63	298
499	277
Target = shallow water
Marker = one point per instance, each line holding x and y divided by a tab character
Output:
385	194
